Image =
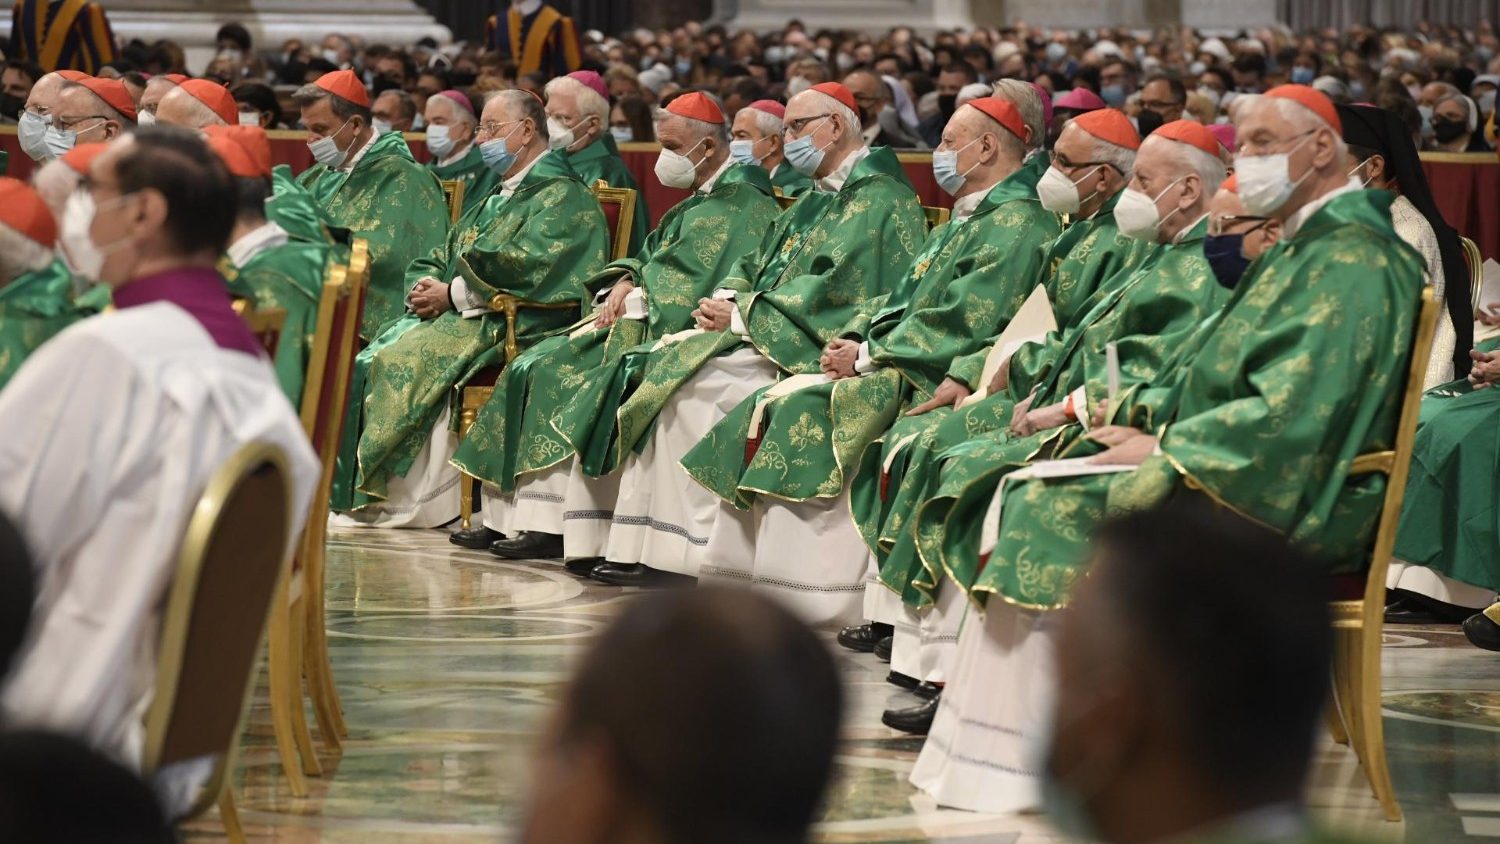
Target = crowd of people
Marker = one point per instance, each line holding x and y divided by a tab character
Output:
1177	269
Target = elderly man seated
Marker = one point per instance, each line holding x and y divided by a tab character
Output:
451	124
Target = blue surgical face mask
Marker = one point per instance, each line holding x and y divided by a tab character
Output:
326	152
1426	118
804	157
1114	95
622	134
1056	52
945	168
1225	254
1303	75
32	133
59	141
743	151
497	154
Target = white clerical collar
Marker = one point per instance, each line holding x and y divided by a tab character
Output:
252	243
1276	824
964	208
456	156
1177	238
1303	214
527	7
352	160
509	186
708	184
834	182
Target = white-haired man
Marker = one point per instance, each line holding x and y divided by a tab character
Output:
578	123
757	140
198	104
967	282
540	238
371	186
91	110
37	114
36	289
451	124
1262	409
828	262
564	382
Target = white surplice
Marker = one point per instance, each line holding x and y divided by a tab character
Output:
112	431
427	496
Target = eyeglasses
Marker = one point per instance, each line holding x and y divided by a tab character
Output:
1063	163
1222	225
68	123
801	123
493	128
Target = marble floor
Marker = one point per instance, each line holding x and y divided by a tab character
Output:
448	659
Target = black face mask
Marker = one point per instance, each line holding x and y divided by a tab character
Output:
947	104
11	106
1446	130
1225	254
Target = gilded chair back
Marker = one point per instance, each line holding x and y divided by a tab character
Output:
453	192
331	362
266	325
232	557
936	216
1475	263
618	205
785	201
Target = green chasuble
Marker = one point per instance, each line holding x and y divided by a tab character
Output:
827	261
1089	255
970	278
541	244
478	179
394	203
292	207
33	307
1147	314
790	180
561	383
1263	410
601	160
289	276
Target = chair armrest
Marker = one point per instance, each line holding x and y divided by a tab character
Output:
1381	462
511	306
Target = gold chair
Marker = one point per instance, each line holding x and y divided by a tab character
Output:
229	569
1475	262
453	191
618	205
783	200
264	323
936	216
1358	624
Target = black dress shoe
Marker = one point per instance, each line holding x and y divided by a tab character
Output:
1482	632
864	637
529	545
1420	609
636	574
927	691
883	648
478	538
903	681
916	720
583	566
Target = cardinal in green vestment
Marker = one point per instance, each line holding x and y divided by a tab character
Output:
649	296
451	124
38	297
372	187
758	141
578	124
540	238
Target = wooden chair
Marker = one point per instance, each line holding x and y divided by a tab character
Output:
453	191
265	323
618	205
1475	262
229	569
783	200
1358	624
936	216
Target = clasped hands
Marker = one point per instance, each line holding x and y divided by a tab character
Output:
614	304
429	298
714	314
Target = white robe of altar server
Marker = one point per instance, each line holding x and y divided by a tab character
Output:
112	431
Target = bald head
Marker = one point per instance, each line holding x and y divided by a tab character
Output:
157	87
43	97
179	108
82	111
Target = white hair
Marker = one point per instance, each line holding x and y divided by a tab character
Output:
846	115
457	110
55	181
1121	158
972	91
1027	101
198	111
524	105
1209	169
20	254
1303	119
767	123
1009	143
589	101
699	129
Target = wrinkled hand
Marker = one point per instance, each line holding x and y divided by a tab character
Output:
713	314
1001	379
1018	413
1101	413
838	359
1041	419
1486	369
429	298
1127	446
614	304
1488	314
950	393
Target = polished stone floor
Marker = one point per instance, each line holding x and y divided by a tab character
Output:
448	659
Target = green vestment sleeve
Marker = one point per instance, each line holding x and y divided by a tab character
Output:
478	179
33	307
600	161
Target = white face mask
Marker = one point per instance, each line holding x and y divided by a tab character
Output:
676	170
1059	194
1265	181
439	142
381	127
148	118
560	135
326	152
796	85
247	118
81	254
332	57
1136	213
